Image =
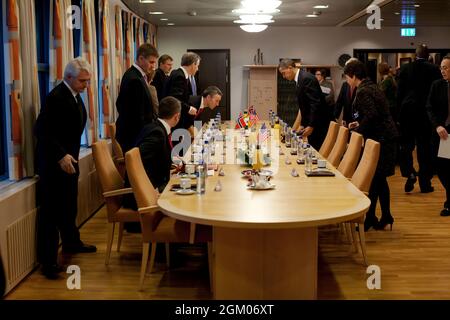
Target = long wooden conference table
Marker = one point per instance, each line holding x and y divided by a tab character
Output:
265	242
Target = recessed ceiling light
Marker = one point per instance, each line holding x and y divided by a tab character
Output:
253	27
171	24
312	15
163	19
397	13
156	12
381	19
321	6
417	5
147	1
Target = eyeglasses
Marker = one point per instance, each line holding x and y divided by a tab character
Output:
444	68
318	74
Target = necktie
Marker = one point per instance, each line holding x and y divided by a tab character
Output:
80	106
193	85
170	140
447	122
199	111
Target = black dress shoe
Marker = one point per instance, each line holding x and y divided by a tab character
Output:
426	189
384	221
445	212
409	185
370	223
82	248
52	271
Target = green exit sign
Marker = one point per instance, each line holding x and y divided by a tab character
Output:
408	32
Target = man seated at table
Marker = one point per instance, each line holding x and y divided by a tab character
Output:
208	101
155	143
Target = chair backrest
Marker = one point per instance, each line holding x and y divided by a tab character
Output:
109	176
330	138
117	149
339	147
350	161
362	178
144	192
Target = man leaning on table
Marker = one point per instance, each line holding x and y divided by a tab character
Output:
209	99
438	108
313	111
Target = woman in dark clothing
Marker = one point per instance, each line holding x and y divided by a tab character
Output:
371	118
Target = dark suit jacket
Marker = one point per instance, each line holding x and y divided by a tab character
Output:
437	105
135	108
314	110
159	82
153	143
414	84
179	87
344	101
58	129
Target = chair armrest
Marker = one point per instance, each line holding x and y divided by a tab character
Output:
150	209
118	192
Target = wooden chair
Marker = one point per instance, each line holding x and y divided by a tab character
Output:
330	138
351	157
156	227
339	147
119	160
113	190
362	178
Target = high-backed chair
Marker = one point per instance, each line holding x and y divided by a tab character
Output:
351	157
330	138
119	160
156	227
362	178
113	190
339	147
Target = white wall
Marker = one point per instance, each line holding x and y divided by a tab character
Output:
314	45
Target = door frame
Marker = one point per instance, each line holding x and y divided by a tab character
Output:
227	80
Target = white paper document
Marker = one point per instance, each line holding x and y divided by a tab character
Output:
325	90
444	148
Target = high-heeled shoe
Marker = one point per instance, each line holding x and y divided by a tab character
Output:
369	223
384	221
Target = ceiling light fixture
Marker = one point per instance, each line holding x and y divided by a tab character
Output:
155	12
261	4
171	24
147	1
163	19
321	6
312	15
253	27
417	5
255	18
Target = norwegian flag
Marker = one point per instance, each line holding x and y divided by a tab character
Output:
263	134
253	116
240	122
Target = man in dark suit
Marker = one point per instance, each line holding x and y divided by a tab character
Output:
313	111
438	109
179	86
208	101
413	87
58	129
134	102
165	63
155	145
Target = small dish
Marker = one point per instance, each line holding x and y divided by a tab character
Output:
185	175
268	187
263	172
185	191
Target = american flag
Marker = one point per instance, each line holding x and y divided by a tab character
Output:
263	134
240	122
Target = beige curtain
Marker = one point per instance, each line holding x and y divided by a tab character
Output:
61	41
90	54
30	87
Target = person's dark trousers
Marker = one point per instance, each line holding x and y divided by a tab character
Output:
316	138
379	189
443	171
2	278
409	139
58	193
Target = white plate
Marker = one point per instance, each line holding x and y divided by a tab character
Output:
269	187
185	191
185	175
